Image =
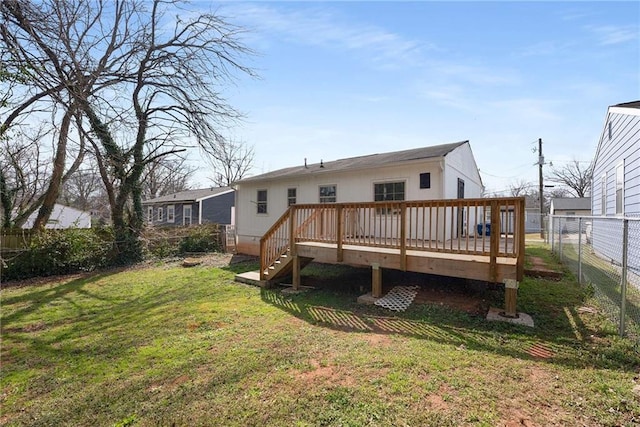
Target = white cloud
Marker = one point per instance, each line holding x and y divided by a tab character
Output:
320	26
610	35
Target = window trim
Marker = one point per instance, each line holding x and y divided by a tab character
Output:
620	188
150	214
386	211
160	214
292	200
262	203
171	213
335	195
603	195
184	216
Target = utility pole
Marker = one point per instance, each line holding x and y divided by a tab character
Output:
540	163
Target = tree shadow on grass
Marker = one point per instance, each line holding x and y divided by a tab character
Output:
459	329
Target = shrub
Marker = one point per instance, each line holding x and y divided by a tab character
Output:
54	252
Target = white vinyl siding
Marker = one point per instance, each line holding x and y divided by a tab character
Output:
620	189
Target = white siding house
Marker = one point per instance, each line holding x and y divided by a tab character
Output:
63	217
446	171
616	173
616	184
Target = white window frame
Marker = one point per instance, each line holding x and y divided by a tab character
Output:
292	200
150	214
620	188
184	215
328	199
603	195
171	213
160	214
262	203
385	211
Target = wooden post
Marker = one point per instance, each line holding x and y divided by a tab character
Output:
494	241
376	280
403	236
520	240
510	297
340	232
296	272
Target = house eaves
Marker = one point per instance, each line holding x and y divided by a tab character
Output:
432	153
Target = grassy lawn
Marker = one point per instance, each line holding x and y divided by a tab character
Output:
166	345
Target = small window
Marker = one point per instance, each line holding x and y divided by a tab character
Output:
262	202
150	214
620	188
388	191
160	214
425	180
186	214
327	194
171	213
291	196
603	195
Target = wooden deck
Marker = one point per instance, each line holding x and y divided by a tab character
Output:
442	237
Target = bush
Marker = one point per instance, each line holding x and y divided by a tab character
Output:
61	252
166	242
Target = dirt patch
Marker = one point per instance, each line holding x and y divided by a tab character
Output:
378	340
325	374
539	268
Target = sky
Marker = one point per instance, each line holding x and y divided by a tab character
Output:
343	79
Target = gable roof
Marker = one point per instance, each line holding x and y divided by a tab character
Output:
632	104
572	203
189	196
361	162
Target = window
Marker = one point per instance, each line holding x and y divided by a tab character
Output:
425	180
570	215
171	213
620	188
262	202
291	196
603	195
160	214
388	191
327	194
460	188
150	214
186	214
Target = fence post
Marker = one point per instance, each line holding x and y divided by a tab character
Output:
580	250
623	280
551	231
560	237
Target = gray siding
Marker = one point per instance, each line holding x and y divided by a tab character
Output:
218	209
621	145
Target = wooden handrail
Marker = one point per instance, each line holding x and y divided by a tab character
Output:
489	227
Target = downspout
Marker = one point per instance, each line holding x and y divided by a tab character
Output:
442	180
199	212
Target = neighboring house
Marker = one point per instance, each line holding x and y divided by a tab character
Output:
578	206
63	217
207	205
446	171
615	187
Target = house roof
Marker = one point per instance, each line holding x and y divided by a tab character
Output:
572	203
189	195
632	104
361	162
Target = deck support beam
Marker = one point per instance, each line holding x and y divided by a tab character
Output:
295	273
376	280
510	297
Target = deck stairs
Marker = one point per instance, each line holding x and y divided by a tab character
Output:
283	266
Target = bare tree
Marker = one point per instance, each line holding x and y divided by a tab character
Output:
165	176
231	161
520	187
574	176
147	87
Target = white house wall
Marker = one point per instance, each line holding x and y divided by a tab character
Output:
63	217
351	186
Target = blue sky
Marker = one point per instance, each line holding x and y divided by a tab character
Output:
342	79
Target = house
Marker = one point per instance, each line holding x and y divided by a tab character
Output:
206	205
63	217
569	206
616	172
447	171
615	188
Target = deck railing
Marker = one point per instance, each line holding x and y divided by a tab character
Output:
489	227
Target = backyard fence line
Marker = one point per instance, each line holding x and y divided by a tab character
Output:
604	253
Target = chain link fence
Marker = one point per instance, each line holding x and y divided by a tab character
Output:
604	253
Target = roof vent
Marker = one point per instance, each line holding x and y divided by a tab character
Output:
321	164
305	163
